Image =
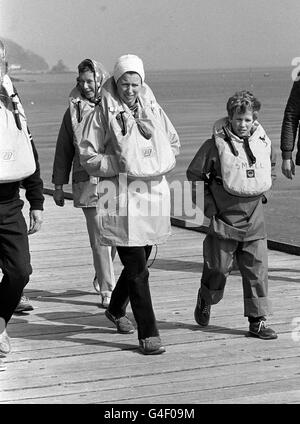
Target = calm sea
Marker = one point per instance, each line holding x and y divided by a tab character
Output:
193	100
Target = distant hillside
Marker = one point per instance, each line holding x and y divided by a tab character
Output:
59	68
26	59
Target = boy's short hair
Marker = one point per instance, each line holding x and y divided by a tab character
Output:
241	102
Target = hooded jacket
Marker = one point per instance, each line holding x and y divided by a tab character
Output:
66	153
231	216
135	212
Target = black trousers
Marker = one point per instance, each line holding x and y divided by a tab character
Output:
14	256
133	286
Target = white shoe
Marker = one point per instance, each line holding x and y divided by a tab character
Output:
23	305
4	343
105	301
96	285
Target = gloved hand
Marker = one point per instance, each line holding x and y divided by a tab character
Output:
59	197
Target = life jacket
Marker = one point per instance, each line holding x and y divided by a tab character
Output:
17	160
79	108
141	143
245	171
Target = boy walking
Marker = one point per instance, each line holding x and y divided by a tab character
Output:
237	166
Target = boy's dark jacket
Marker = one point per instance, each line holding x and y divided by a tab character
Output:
232	217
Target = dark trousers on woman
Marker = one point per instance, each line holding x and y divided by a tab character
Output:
14	256
133	286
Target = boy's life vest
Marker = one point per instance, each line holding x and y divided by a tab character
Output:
17	160
245	167
141	143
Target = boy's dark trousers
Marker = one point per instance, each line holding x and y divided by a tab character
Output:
14	256
252	260
133	285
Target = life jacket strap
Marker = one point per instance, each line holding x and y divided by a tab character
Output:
16	110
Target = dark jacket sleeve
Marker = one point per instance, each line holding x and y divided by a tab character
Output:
201	168
33	184
290	122
64	151
202	163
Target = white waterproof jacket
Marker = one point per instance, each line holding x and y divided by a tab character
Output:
133	212
17	160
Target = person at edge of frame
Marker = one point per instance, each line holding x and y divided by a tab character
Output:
289	129
14	244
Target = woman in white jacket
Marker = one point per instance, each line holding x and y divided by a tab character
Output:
130	143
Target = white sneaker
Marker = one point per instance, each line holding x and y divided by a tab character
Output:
96	285
105	301
24	305
4	343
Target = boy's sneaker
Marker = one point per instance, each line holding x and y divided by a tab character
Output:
23	305
123	324
202	311
4	343
260	329
151	346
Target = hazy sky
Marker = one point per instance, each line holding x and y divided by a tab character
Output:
167	34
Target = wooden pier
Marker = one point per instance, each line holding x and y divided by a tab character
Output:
66	352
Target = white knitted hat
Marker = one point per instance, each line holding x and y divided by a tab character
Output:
129	63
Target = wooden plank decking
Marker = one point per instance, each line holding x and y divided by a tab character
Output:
66	351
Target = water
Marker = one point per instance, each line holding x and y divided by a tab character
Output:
193	100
